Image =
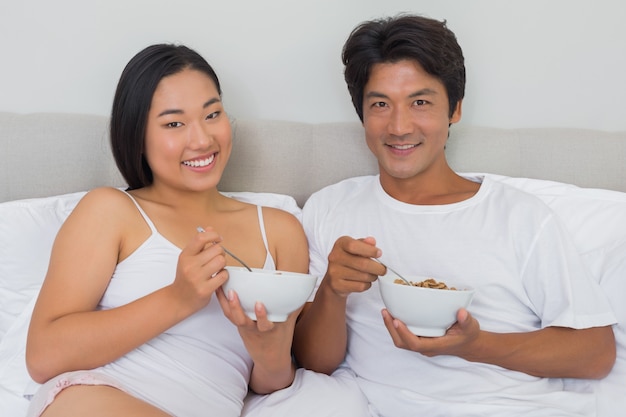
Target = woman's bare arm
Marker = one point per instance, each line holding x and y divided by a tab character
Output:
66	331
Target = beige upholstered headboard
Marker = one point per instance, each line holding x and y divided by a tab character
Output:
45	154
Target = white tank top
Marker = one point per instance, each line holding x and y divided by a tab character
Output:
199	364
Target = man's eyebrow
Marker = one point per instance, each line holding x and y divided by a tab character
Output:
375	94
424	92
179	111
418	93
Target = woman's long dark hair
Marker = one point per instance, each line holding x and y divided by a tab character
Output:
132	100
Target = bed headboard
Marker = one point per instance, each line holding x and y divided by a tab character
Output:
45	154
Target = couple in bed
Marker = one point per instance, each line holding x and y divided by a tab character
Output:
131	319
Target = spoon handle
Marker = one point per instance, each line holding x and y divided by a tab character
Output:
236	258
406	281
201	230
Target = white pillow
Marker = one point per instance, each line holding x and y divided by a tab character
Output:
596	219
14	377
27	232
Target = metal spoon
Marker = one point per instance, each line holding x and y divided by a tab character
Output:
201	230
406	281
236	258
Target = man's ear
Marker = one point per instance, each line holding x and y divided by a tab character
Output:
456	115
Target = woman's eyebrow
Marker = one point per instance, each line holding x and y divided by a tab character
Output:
170	111
211	101
179	111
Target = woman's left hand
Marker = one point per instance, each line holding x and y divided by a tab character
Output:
268	343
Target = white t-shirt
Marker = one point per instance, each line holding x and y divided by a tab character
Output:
503	242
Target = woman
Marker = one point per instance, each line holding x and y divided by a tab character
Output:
131	319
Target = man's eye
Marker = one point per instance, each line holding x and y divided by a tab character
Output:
379	104
213	115
419	102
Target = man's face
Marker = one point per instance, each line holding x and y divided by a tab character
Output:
406	119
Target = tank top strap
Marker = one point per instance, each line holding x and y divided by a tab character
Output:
269	261
143	213
259	210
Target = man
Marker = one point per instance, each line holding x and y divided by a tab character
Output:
536	316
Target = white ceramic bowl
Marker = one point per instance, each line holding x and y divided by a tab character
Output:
425	311
281	292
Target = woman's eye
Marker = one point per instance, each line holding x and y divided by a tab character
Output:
174	124
213	115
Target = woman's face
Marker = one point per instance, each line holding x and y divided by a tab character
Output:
188	135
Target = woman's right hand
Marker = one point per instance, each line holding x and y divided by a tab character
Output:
200	270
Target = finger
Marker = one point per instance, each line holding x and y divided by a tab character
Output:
210	256
205	268
349	259
206	237
209	285
364	247
363	250
262	322
390	324
237	314
223	301
462	316
199	267
408	339
216	279
370	240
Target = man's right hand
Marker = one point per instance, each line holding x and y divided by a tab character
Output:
350	267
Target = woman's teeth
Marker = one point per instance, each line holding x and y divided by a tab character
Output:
199	162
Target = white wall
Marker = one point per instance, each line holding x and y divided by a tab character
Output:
529	62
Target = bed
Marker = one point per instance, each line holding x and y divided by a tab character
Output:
48	160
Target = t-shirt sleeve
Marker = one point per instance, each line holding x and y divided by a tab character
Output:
313	222
559	285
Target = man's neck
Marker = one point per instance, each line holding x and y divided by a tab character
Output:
430	189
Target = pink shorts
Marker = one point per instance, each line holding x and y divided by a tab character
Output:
48	391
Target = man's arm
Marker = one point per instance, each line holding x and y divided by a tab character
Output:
552	352
321	338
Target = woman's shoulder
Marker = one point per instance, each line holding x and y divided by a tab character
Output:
107	213
284	230
103	194
104	202
271	216
269	212
279	216
286	238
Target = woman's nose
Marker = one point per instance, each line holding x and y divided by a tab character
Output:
199	137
